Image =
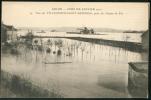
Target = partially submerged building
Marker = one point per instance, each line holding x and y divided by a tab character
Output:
8	33
145	41
145	46
3	33
138	71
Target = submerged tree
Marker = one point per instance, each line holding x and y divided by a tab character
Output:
49	42
48	50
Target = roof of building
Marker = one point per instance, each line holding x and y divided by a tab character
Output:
8	27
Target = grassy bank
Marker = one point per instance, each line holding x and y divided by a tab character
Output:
23	87
5	92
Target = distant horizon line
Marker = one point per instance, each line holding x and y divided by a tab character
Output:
76	27
83	27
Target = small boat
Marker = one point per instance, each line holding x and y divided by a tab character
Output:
42	31
56	62
127	37
53	30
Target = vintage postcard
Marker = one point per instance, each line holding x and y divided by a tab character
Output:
74	49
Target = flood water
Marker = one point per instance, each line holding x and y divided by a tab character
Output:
131	37
87	70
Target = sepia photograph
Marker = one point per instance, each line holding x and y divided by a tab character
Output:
74	49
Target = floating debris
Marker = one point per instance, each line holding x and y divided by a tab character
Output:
56	62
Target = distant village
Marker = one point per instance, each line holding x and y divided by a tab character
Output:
84	30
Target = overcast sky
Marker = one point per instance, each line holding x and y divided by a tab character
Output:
134	17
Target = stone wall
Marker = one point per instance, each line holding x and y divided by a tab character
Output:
138	79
